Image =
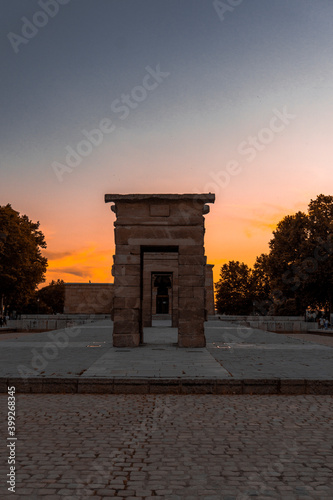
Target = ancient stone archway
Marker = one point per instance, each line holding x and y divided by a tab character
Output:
151	225
161	286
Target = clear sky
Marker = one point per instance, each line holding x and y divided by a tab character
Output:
233	97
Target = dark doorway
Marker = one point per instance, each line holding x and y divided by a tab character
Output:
163	284
162	304
157	294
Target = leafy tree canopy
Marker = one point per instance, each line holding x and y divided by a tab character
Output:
53	296
301	259
233	289
296	273
47	300
22	266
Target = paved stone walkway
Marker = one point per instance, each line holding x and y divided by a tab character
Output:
171	447
309	337
253	353
232	352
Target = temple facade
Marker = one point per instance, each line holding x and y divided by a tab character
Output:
160	265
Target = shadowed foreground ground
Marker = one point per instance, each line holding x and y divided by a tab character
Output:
172	447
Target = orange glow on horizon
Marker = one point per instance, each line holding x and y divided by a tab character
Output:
234	231
94	264
79	266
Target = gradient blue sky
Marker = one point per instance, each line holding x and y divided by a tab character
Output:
226	80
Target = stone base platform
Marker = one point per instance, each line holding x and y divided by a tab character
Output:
236	360
86	385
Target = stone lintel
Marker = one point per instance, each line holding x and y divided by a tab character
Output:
200	198
158	221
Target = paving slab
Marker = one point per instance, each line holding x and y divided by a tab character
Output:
236	360
197	447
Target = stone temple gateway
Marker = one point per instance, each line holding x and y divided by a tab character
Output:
159	259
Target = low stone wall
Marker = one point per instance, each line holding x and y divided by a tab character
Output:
52	322
88	298
226	317
282	324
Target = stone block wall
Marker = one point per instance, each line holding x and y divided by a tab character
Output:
209	286
153	224
88	298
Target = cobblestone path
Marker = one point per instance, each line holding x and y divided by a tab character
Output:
171	447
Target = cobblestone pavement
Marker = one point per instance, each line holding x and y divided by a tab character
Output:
171	447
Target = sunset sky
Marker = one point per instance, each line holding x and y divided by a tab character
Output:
191	97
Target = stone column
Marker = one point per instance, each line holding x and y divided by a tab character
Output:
126	303
191	307
209	285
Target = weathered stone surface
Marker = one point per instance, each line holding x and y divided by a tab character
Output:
159	210
200	293
125	327
192	315
128	250
209	286
187	270
197	340
128	280
186	292
188	220
190	328
191	250
194	198
175	319
126	340
190	281
126	259
88	298
166	235
126	270
126	314
126	303
148	227
126	291
191	260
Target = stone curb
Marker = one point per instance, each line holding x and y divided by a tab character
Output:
166	386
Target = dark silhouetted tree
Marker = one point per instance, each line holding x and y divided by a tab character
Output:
301	259
320	261
288	251
47	300
233	290
53	296
261	285
22	266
